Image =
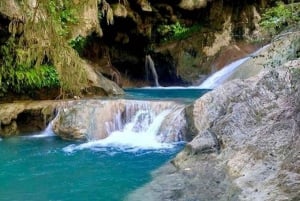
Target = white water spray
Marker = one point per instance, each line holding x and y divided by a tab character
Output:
149	64
220	76
48	132
145	129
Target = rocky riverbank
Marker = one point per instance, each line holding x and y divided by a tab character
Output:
246	147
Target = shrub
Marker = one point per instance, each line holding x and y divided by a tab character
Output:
276	18
176	31
21	77
78	44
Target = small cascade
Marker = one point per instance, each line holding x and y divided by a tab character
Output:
141	125
220	76
48	132
164	122
149	63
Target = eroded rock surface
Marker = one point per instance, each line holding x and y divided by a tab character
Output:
246	147
25	116
96	119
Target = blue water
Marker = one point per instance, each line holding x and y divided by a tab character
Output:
48	168
165	93
37	169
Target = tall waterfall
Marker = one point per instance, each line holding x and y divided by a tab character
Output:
136	124
149	64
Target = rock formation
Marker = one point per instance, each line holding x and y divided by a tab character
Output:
282	49
26	116
96	119
246	145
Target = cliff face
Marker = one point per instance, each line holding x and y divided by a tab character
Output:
246	146
42	31
186	39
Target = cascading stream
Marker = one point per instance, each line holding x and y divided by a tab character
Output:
140	125
222	75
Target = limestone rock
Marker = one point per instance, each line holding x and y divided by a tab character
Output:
96	119
85	119
99	84
246	145
25	116
281	50
192	4
145	5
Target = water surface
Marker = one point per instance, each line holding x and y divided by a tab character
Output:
39	168
185	94
44	167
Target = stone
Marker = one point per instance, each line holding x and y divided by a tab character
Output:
192	4
96	119
25	116
246	146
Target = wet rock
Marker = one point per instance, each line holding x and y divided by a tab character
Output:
96	119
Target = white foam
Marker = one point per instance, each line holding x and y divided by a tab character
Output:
130	138
48	132
220	76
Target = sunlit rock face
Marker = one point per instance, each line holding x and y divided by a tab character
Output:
97	119
246	145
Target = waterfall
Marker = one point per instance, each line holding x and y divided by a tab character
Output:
149	63
162	122
221	76
141	125
48	132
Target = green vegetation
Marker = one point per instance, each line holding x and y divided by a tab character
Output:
275	19
63	14
78	44
20	76
176	31
29	58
